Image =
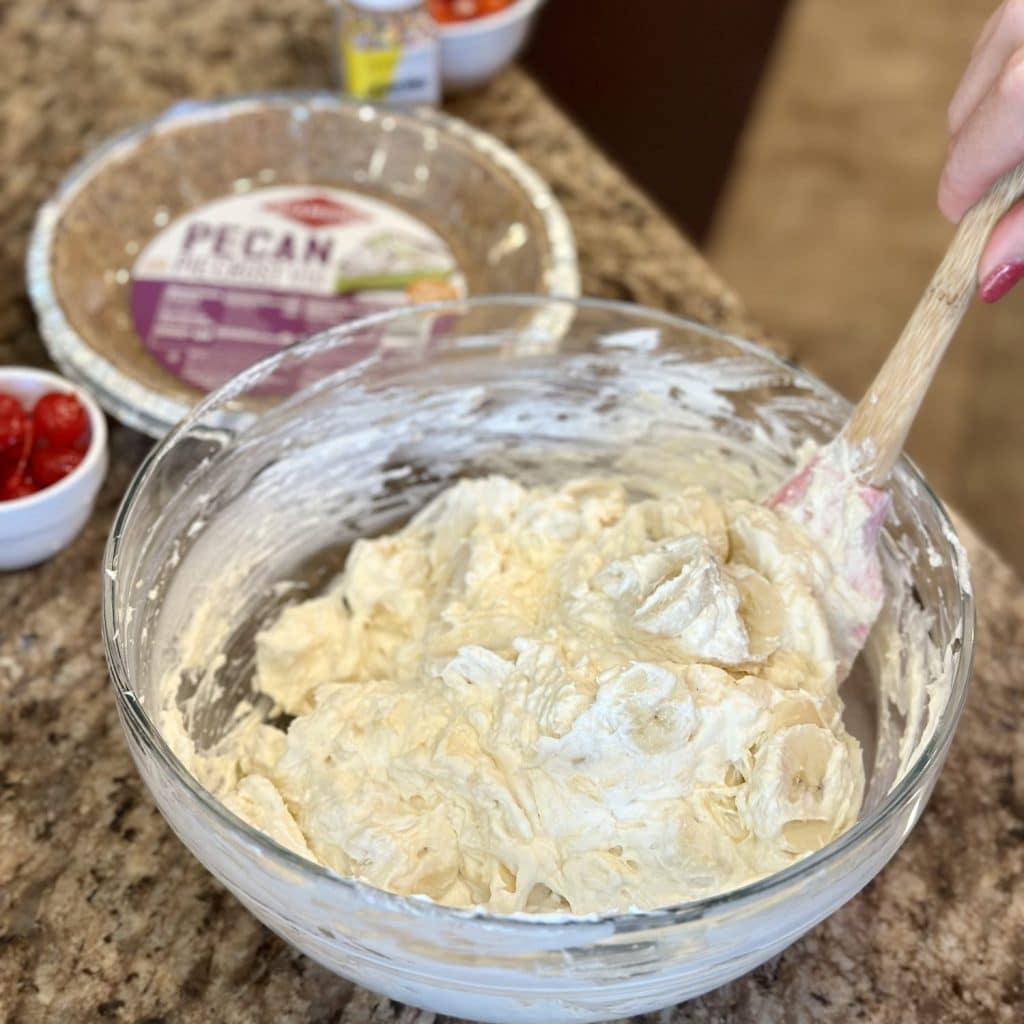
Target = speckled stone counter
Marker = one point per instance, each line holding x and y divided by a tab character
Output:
103	914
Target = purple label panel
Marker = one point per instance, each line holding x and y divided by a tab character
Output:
206	333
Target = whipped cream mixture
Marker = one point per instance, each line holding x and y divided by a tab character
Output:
561	699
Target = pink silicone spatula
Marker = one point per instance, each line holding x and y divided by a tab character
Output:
837	495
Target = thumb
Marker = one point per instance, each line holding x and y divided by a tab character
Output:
1002	262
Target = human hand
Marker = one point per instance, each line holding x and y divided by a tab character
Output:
986	125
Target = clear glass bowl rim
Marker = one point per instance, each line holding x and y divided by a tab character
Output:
863	829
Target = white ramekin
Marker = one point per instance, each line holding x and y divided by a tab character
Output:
34	528
474	51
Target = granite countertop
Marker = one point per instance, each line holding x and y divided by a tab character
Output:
103	914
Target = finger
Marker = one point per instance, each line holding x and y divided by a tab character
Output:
988	28
1002	35
990	142
1002	263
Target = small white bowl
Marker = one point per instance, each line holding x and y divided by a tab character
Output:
34	528
476	50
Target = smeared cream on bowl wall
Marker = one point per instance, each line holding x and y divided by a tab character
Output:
582	683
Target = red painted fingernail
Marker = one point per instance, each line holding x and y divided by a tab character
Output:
1000	281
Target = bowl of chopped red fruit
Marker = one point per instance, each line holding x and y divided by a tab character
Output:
479	37
53	457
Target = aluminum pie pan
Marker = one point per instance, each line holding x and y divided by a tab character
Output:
113	202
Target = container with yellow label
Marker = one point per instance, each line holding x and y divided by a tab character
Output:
388	51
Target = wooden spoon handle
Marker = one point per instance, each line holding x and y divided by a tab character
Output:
881	421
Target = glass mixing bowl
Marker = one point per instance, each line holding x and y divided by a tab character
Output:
252	490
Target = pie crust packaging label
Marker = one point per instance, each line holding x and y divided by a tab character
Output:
406	74
241	277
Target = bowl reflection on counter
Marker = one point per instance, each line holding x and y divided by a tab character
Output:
233	502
